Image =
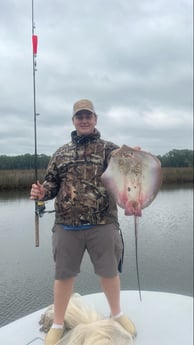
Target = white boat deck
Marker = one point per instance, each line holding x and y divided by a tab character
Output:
160	319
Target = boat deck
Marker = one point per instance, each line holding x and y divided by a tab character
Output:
160	319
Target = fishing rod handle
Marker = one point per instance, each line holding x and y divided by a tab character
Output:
36	230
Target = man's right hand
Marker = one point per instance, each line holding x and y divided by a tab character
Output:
37	191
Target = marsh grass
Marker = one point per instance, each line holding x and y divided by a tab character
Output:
23	179
177	175
18	179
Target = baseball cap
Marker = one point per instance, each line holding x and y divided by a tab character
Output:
83	104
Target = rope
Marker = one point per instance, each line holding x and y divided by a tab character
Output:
32	341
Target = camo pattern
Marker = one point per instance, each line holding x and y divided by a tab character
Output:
74	178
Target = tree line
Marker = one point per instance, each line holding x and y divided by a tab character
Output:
174	158
26	161
177	158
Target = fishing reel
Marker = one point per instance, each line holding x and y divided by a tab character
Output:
40	208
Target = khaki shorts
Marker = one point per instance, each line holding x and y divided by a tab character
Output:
103	243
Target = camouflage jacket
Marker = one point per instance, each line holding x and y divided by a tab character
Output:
74	178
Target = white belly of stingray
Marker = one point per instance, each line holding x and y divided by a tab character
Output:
133	178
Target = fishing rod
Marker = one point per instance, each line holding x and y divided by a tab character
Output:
39	205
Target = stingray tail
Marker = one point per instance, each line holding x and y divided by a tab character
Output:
136	218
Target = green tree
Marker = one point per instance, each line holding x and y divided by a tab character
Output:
26	161
177	158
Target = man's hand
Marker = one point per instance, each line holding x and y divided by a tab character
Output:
138	148
37	191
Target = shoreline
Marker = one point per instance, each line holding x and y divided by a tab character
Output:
23	179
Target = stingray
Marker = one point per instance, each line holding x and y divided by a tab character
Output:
133	178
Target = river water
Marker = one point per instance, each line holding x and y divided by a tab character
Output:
165	252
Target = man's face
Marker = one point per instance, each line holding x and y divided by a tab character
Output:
84	122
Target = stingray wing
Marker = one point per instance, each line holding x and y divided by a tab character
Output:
133	178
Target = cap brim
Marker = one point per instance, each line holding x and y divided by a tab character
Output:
77	111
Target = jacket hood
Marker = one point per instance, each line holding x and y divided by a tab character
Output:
84	139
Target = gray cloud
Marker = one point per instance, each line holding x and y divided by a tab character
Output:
133	59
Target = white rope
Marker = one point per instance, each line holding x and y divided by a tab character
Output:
84	325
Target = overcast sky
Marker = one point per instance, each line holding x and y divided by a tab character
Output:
133	59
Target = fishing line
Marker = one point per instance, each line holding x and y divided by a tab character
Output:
33	340
136	219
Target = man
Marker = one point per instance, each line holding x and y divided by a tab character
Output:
86	217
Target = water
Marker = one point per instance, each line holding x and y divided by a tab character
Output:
165	252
